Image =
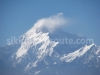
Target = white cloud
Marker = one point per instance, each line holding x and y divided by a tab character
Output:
52	22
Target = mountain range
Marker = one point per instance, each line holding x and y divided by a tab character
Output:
41	52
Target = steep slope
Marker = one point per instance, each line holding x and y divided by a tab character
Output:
39	53
45	50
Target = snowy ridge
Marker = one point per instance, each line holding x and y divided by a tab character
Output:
71	56
37	40
36	43
32	38
36	35
39	54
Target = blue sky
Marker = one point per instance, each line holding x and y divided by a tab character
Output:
18	16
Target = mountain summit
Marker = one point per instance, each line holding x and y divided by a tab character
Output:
45	50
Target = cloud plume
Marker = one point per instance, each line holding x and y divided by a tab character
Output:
52	22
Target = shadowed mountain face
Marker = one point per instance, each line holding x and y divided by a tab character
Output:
44	53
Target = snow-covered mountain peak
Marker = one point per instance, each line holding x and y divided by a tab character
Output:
36	39
78	53
38	34
44	51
